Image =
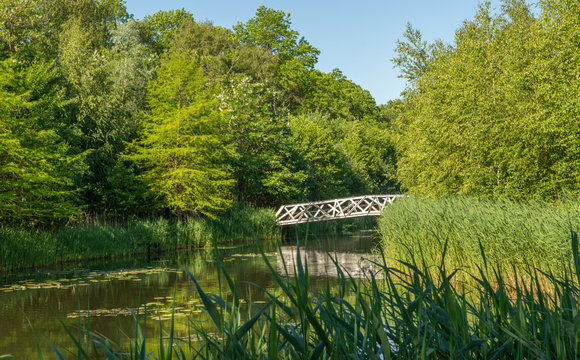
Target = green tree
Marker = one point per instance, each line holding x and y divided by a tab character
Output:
371	152
159	29
555	80
19	20
413	55
35	165
106	88
180	150
31	28
488	117
270	29
267	168
334	95
318	138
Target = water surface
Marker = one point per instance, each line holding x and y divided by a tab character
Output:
101	295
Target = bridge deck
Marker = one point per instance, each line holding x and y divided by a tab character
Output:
369	205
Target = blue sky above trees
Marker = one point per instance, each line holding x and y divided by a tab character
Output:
356	37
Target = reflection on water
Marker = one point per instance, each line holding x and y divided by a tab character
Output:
101	293
322	263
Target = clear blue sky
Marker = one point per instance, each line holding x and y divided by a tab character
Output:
358	37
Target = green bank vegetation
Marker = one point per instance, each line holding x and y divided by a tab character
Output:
21	248
512	233
393	314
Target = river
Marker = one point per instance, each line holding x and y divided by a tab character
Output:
102	294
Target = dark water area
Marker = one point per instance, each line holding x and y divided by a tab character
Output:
101	294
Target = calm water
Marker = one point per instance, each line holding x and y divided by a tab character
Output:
102	292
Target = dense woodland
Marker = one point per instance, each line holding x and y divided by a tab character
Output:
104	114
496	113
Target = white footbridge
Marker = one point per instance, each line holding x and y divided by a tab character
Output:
368	205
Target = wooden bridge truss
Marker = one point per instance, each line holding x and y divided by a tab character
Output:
370	205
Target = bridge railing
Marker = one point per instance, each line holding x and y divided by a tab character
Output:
369	205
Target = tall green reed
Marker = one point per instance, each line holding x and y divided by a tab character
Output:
511	232
20	248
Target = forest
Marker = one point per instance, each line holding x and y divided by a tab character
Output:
104	114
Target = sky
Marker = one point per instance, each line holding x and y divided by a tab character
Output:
357	37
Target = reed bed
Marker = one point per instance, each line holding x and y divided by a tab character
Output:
512	233
22	248
408	312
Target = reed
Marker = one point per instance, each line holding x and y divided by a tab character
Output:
409	312
513	233
21	248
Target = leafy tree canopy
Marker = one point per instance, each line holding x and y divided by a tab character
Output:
179	150
270	29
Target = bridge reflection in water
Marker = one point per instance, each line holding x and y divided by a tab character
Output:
358	265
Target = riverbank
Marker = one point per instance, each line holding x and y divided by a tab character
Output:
101	239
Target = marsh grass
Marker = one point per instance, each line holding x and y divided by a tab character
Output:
101	238
412	312
512	233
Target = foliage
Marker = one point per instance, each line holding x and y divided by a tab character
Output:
264	163
159	29
106	88
344	157
270	29
180	149
327	166
35	167
93	80
414	56
492	114
18	21
103	238
372	156
336	96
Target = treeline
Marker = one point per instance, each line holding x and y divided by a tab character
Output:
497	112
102	113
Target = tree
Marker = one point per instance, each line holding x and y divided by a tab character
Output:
265	165
31	28
414	56
494	116
334	95
270	29
180	150
159	29
19	20
318	139
371	152
106	88
35	165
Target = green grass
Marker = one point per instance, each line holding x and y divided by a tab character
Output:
409	312
99	239
512	233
